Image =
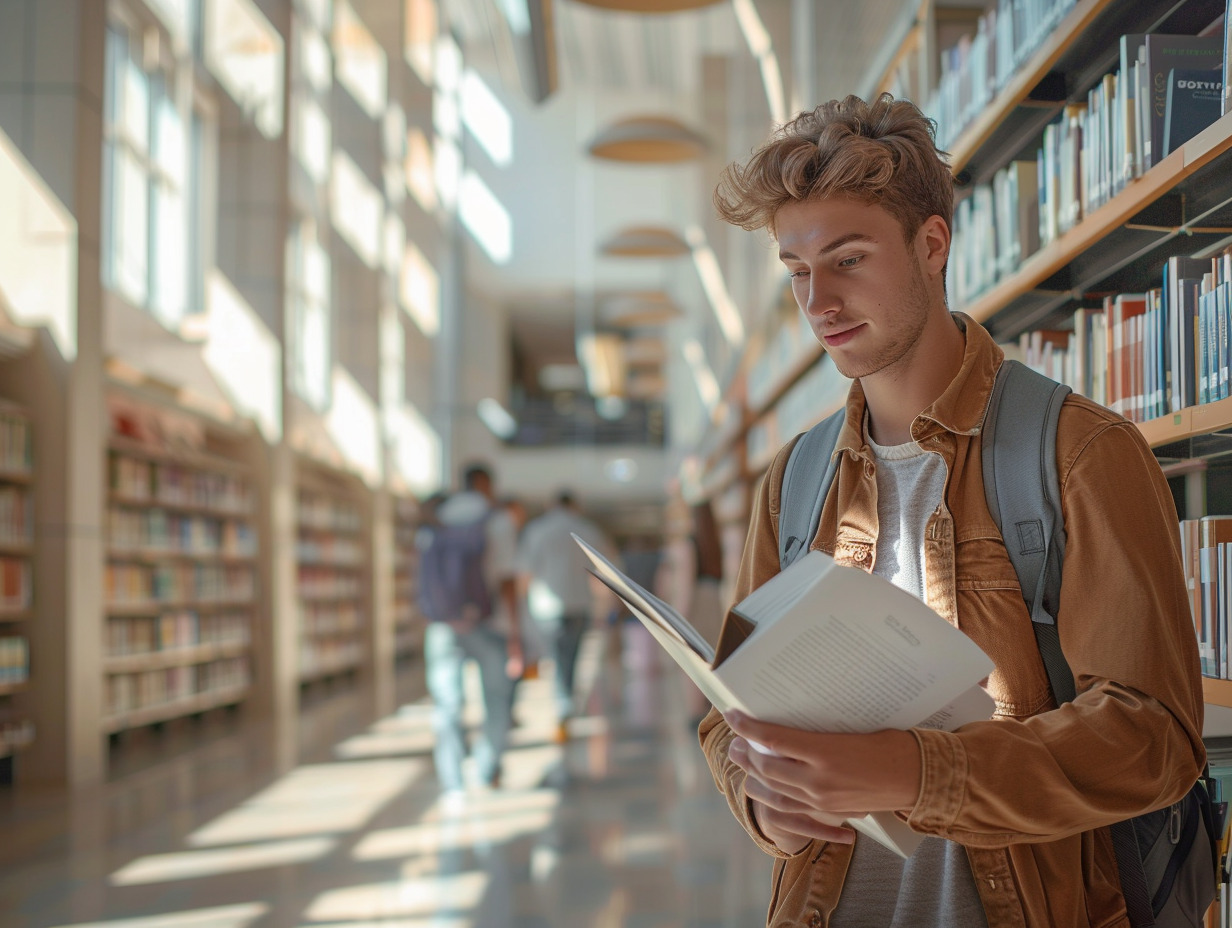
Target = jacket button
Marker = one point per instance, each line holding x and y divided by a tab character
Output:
815	921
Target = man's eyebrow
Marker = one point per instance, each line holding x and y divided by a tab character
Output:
832	246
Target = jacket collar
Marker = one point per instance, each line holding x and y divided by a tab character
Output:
962	405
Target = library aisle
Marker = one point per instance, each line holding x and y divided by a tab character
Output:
621	826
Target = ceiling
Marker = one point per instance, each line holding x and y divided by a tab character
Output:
564	203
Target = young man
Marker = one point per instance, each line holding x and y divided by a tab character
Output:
492	641
1016	808
552	578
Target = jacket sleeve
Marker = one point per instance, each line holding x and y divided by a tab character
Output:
1130	742
758	564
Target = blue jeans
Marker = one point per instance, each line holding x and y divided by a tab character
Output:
446	651
561	639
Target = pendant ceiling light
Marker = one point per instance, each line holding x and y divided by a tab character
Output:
648	140
650	6
634	310
645	242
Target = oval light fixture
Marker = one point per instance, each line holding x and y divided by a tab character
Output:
634	310
645	242
648	140
650	6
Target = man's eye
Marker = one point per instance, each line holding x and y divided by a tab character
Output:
852	261
795	274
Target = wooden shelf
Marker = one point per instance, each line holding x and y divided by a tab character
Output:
16	476
325	671
982	129
173	657
186	457
348	532
23	615
157	608
1217	692
153	556
357	597
1082	48
8	689
178	708
347	566
150	502
312	634
1113	217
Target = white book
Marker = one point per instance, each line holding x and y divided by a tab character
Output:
828	649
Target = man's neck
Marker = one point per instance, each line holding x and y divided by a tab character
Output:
895	397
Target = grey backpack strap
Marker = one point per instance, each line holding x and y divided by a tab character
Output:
806	481
1023	489
1019	452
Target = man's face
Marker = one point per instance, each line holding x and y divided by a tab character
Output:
859	284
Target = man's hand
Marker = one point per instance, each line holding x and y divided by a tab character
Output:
806	784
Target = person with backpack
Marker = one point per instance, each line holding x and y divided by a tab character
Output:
1021	812
467	593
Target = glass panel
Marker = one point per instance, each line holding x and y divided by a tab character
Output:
313	139
169	151
176	16
117	58
315	64
314	354
169	256
361	66
421	29
132	204
135	107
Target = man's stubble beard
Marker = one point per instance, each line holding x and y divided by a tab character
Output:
902	347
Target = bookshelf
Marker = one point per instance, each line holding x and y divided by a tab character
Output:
1181	205
180	580
16	581
332	574
408	624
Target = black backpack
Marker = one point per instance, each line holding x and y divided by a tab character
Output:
1168	859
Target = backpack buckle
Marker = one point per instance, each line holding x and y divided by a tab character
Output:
1174	823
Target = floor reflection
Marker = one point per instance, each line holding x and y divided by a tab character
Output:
621	826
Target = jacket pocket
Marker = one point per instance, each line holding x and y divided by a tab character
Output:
992	613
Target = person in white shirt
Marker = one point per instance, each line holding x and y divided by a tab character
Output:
553	579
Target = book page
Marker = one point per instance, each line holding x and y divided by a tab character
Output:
855	654
645	605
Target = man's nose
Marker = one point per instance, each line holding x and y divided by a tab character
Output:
822	300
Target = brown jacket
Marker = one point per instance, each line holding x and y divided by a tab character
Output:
1028	792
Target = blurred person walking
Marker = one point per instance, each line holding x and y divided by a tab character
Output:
468	593
557	588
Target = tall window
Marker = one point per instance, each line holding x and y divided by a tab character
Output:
146	176
308	305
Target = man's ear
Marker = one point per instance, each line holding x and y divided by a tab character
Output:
933	244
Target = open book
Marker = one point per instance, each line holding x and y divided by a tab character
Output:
827	648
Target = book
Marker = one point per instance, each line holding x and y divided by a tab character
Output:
827	648
1165	53
1182	277
1193	102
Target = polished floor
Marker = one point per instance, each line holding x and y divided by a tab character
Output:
341	825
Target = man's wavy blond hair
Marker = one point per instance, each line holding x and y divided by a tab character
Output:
882	152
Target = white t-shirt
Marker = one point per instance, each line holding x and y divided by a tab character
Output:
559	581
935	887
499	556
